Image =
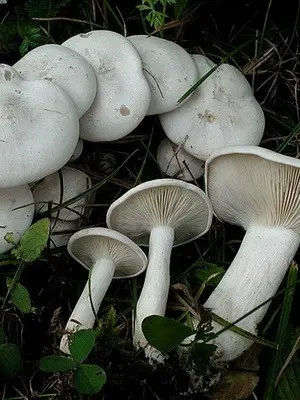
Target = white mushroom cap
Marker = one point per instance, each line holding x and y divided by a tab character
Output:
78	151
61	231
221	112
161	202
169	69
123	94
65	68
177	163
74	182
38	128
252	185
89	245
13	219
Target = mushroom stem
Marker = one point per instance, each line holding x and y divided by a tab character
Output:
253	277
83	316
154	295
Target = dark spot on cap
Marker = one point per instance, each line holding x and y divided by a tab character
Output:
124	111
85	35
7	75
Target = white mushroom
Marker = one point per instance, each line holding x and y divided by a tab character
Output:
38	128
259	190
161	213
61	231
221	112
123	94
16	214
61	187
107	254
65	68
169	69
177	163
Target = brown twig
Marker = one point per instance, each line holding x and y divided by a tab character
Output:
80	21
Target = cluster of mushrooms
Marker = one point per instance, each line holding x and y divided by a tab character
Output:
99	86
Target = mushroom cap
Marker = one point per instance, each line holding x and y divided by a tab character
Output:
169	69
38	128
250	185
123	94
221	112
177	163
13	219
65	68
61	231
89	245
161	202
74	182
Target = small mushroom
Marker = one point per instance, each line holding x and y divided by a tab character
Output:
16	214
177	163
123	94
259	190
221	112
39	128
60	187
65	68
169	69
107	254
161	213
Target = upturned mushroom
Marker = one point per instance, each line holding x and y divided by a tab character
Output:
169	69
16	214
107	254
61	187
65	68
123	94
161	214
39	128
177	163
259	190
221	112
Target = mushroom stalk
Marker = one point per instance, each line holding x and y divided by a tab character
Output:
154	295
253	277
83	316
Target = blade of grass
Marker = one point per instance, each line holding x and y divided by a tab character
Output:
290	137
281	332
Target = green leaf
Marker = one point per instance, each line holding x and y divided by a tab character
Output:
2	336
206	272
89	378
20	298
33	241
56	363
10	359
165	334
81	344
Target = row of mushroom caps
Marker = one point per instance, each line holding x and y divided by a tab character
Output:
98	86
